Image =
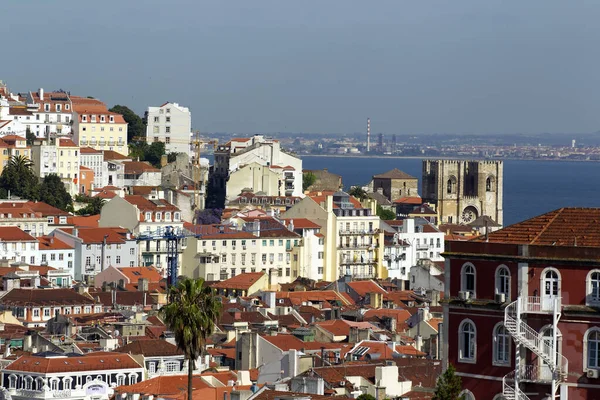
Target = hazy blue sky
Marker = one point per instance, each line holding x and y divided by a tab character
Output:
472	66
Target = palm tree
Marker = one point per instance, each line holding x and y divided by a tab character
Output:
191	315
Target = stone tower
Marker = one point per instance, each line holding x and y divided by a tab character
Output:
464	190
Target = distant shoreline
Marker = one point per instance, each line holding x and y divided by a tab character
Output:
438	158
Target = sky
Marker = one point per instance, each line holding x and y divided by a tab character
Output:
320	66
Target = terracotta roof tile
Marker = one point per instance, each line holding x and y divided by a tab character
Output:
87	362
362	288
14	234
394	174
241	281
138	167
135	273
44	297
151	348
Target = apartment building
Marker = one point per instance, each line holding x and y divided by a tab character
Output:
407	242
521	319
262	245
308	258
147	219
57	254
171	124
259	164
51	113
17	245
60	157
94	160
12	146
352	237
95	249
98	128
10	123
73	376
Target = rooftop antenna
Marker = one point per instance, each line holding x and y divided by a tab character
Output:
368	135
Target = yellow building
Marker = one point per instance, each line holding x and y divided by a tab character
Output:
13	145
98	128
57	156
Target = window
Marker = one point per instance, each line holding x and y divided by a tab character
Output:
36	312
593	288
151	367
501	343
132	251
12	382
591	343
120	380
67	383
168	119
156	119
466	395
167	129
172	366
467	342
451	185
467	278
118	260
46	312
54	384
503	281
167	140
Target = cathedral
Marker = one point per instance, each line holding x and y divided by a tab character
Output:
463	190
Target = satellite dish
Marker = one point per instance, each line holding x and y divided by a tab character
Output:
116	333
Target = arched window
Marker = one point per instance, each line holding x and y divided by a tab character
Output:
490	184
120	380
550	288
467	278
28	383
451	185
67	383
467	343
503	281
12	382
591	344
38	384
54	384
501	343
466	395
593	288
132	379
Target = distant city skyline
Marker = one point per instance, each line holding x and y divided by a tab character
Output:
243	67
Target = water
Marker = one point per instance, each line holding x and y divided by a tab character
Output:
530	187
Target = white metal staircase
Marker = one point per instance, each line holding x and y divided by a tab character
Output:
546	348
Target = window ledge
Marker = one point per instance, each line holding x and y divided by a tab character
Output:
500	364
467	360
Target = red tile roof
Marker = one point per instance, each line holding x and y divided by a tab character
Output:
285	342
52	243
302	223
362	288
394	174
151	348
44	297
143	204
66	143
96	235
562	227
113	155
138	167
408	200
89	221
14	234
89	150
87	362
241	281
135	273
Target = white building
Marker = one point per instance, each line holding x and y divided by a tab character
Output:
99	248
89	376
94	160
51	113
308	257
259	164
409	241
263	245
57	254
9	123
60	157
171	124
17	245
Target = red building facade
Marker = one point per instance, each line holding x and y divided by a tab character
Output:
508	293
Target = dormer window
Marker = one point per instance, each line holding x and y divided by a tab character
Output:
148	216
93	118
67	106
50	220
112	119
62	220
84	118
158	216
58	108
176	216
167	216
47	107
102	118
168	110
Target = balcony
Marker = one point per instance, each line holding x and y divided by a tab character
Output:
356	246
83	142
345	232
422	247
102	143
93	142
289	177
111	142
359	261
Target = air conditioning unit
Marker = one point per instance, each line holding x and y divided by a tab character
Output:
500	298
464	295
592	373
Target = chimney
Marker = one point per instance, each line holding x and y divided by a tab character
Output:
113	296
291	225
256	228
163	160
143	284
27	341
41	93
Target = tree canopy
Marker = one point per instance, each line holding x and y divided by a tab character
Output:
366	396
18	179
147	152
385	214
135	124
30	136
209	216
191	315
93	207
53	192
308	179
358	192
449	385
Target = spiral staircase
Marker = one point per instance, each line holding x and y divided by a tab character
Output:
554	366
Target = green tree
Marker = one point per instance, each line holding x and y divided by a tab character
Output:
154	153
53	192
93	207
449	385
18	179
30	136
135	124
172	157
308	179
385	214
191	315
365	396
358	192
